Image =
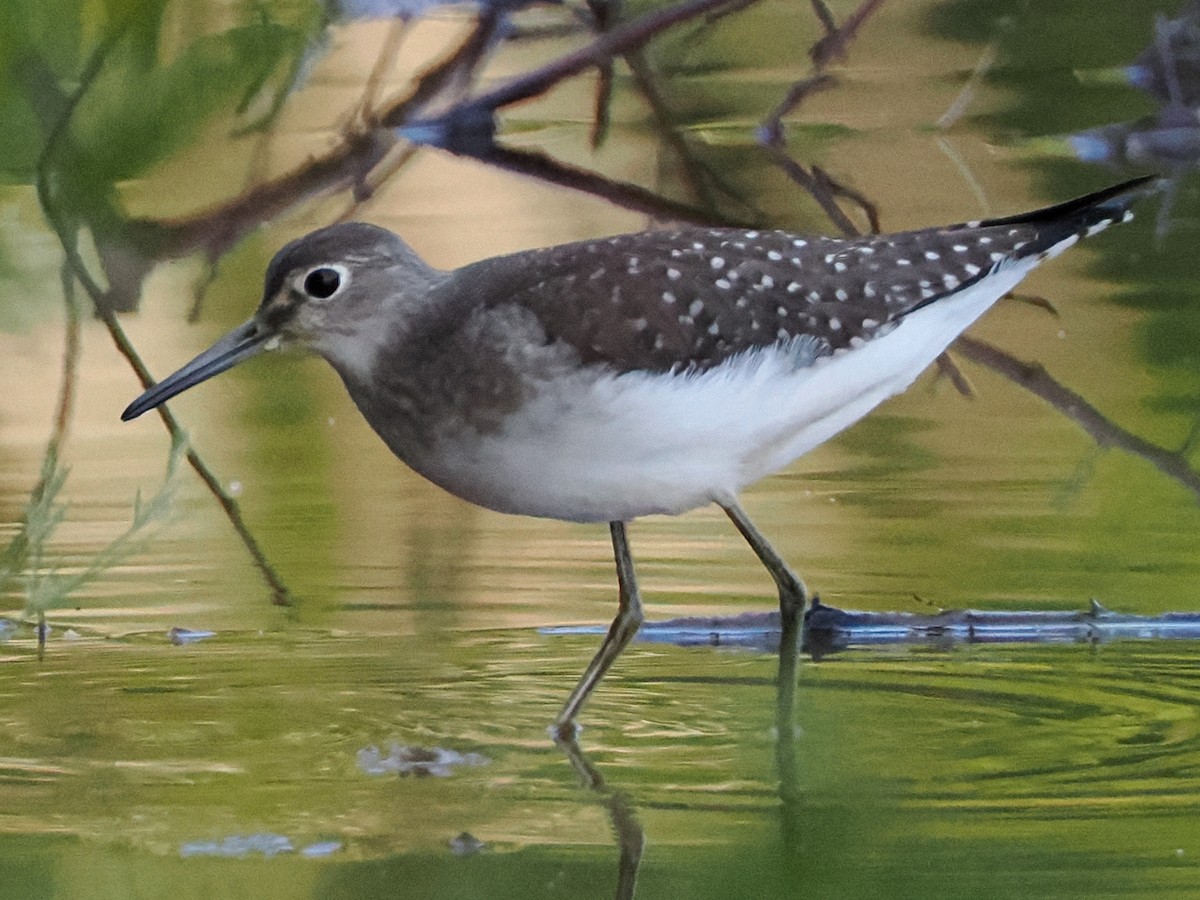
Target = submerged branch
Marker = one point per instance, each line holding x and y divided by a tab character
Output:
828	629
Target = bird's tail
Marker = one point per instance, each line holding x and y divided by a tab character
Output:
1054	226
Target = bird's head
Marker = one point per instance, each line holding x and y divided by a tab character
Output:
333	291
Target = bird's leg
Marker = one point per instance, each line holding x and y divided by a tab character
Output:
792	593
792	597
620	633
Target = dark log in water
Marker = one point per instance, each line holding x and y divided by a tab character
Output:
828	629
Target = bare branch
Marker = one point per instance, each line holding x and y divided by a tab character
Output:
1035	379
78	271
623	194
837	39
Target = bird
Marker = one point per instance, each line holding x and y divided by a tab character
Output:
646	373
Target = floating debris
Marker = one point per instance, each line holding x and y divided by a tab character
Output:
321	849
179	636
466	844
418	761
237	846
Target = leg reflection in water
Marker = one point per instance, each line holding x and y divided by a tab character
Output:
631	839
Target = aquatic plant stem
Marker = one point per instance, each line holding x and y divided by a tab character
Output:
68	235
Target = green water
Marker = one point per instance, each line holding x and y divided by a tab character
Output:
128	762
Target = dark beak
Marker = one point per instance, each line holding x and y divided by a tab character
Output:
241	343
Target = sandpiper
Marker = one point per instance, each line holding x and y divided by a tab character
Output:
655	372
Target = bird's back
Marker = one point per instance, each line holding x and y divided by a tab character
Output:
667	301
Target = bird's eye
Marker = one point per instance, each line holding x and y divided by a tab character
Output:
323	282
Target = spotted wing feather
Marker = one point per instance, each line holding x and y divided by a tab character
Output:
691	299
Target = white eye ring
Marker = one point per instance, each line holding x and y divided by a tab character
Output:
324	282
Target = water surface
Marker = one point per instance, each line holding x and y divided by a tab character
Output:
234	765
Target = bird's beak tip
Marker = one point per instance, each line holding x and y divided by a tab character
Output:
241	343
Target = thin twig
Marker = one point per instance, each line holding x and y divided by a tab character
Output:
612	43
58	434
468	128
384	63
695	174
837	39
620	193
280	595
965	171
70	364
348	165
604	14
948	368
816	181
806	180
825	16
835	188
965	96
1035	379
822	187
79	272
448	81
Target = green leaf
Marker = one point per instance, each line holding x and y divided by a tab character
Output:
140	111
